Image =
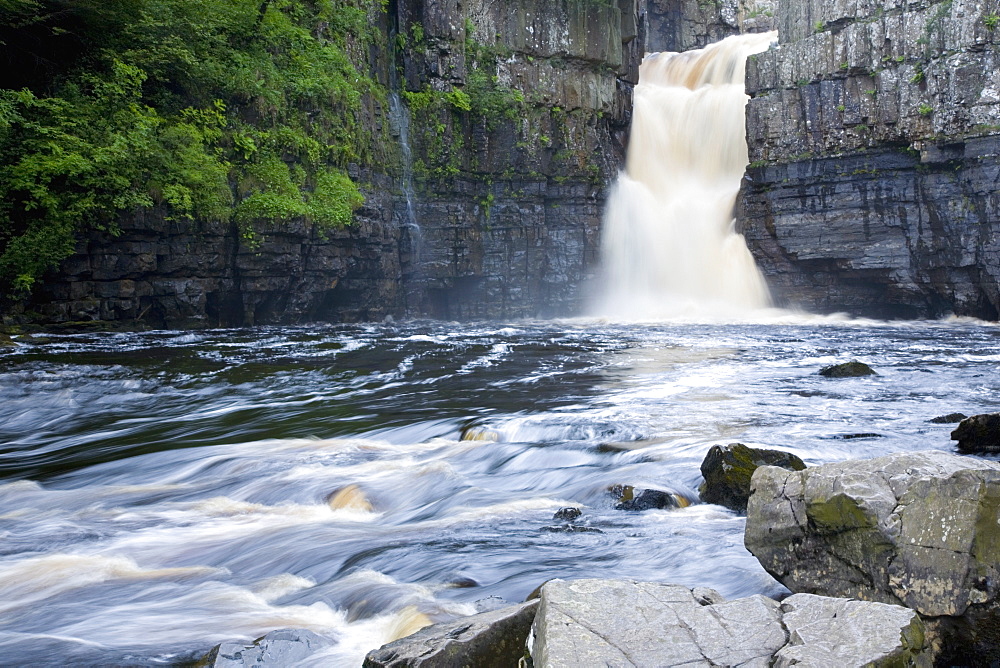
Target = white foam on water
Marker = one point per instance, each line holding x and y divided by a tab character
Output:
31	580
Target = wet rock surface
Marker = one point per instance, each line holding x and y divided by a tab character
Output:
649	499
567	514
581	623
950	418
978	434
286	647
492	639
728	469
852	369
916	529
637	499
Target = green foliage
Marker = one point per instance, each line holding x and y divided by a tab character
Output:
991	20
925	109
238	109
490	100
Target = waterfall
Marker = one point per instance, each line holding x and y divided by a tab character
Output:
669	246
400	119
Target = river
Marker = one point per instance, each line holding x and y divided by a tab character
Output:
162	492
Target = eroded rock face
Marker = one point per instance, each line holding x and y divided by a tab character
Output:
915	529
728	469
492	639
680	25
872	135
627	623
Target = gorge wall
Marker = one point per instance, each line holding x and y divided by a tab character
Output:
681	25
874	131
502	125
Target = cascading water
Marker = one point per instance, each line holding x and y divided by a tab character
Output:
401	121
669	246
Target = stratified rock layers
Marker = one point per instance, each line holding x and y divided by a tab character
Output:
517	117
872	136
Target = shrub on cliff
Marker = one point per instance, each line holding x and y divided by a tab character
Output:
242	109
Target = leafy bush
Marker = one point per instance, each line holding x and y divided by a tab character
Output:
215	110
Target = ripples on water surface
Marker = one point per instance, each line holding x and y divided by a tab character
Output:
162	492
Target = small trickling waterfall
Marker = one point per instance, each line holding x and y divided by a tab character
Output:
669	246
400	118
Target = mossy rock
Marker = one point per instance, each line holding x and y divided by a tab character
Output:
728	469
978	434
852	369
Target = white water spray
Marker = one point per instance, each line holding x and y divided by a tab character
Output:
669	246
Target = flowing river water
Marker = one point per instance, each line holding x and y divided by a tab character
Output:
162	492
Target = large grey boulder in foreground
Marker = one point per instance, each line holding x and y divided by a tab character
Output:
623	623
492	639
916	529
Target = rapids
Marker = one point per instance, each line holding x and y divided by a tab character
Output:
162	492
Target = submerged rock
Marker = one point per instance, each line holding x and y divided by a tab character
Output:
978	434
916	529
351	497
637	499
850	369
492	639
479	434
583	623
949	418
649	499
567	514
728	469
285	647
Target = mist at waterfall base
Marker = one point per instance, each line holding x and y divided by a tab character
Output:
163	492
668	244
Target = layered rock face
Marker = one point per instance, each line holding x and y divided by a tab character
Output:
510	179
159	272
507	120
873	143
913	529
681	25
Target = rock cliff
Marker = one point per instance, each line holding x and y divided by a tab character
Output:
681	25
502	125
873	137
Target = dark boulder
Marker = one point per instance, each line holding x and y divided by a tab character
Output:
851	369
568	514
950	418
978	434
728	469
649	499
